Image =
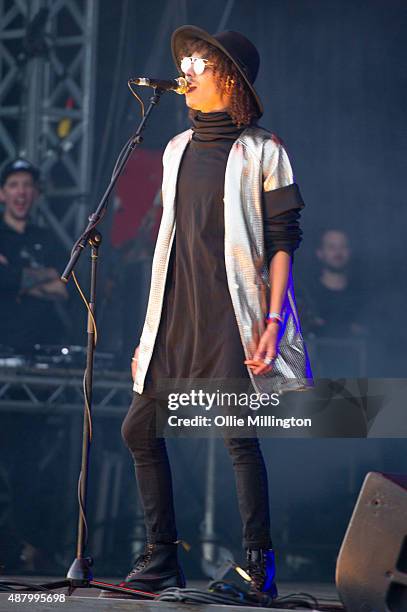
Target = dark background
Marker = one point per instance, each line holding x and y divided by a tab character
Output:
332	81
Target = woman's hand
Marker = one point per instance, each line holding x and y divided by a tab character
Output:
134	362
266	353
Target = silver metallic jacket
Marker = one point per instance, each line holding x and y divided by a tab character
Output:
257	161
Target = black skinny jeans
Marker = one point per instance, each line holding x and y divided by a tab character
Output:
155	481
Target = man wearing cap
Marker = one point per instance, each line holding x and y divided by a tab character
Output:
230	225
28	278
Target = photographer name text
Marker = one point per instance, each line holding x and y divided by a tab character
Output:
235	421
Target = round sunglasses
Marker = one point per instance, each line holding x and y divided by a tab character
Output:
198	63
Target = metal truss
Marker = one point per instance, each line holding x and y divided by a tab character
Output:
47	75
28	389
55	398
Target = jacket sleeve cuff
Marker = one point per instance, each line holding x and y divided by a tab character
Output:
281	200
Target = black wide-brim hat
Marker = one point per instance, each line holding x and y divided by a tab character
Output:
239	49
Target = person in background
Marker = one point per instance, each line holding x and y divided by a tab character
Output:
29	288
334	295
29	280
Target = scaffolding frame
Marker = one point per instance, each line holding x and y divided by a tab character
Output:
47	91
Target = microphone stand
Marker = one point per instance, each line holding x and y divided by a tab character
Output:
79	573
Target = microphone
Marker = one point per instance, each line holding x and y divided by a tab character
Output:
179	85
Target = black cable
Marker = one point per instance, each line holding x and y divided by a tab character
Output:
200	596
293	601
313	599
6	586
239	597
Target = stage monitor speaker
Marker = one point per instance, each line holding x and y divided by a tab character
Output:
371	571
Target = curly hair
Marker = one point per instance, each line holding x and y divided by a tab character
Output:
243	108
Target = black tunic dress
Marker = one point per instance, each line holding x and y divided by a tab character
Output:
198	335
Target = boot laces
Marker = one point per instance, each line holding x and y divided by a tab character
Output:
257	574
257	570
141	561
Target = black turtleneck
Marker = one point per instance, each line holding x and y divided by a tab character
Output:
213	127
198	335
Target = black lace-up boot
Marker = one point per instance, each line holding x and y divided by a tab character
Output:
262	570
156	569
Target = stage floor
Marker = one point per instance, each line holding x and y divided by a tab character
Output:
87	599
